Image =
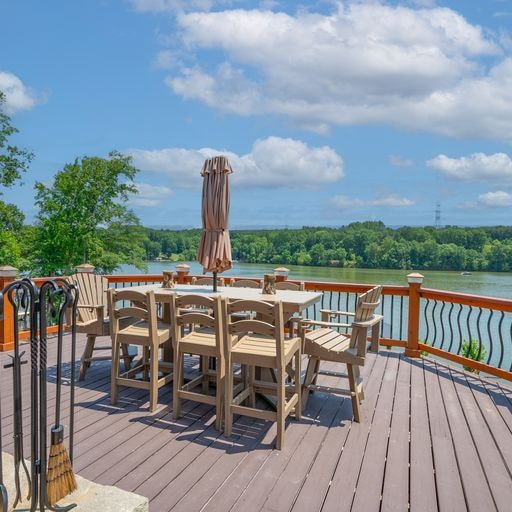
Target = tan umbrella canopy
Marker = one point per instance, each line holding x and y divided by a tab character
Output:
215	247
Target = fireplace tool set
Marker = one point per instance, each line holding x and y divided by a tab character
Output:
54	303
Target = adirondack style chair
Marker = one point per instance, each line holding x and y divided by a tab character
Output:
328	344
93	319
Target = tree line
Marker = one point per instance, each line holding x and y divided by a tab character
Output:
360	244
84	216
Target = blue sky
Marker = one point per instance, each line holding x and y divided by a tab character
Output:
331	112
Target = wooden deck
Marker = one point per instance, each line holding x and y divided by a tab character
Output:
433	438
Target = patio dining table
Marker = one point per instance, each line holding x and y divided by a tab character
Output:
293	301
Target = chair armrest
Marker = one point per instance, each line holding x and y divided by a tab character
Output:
369	323
334	312
100	310
321	323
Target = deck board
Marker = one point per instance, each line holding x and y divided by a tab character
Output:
433	437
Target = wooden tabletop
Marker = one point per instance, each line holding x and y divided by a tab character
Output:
293	301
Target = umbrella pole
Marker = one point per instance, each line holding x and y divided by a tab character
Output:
214	281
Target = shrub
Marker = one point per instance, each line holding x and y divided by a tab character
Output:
473	350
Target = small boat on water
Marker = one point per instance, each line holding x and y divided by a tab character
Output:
465	273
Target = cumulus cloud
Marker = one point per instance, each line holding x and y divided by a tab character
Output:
398	161
476	167
388	201
17	95
418	68
150	195
274	161
498	199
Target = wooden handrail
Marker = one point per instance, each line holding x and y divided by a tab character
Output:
466	299
413	345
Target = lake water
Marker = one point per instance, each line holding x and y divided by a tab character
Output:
479	283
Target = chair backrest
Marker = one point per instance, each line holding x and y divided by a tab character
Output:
207	281
199	311
287	285
247	283
132	304
272	326
365	310
92	292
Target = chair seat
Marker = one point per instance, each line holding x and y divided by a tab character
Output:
135	333
201	342
260	350
330	345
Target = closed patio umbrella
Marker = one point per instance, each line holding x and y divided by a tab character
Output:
215	247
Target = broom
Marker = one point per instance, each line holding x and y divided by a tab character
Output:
60	480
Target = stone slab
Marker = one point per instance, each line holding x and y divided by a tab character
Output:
89	497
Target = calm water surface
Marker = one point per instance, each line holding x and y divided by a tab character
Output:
479	283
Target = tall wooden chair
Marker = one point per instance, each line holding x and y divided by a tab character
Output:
206	341
146	331
247	283
207	281
258	343
328	344
287	285
291	321
93	319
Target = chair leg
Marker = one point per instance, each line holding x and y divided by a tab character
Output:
219	401
311	370
252	396
356	378
178	382
127	360
85	361
153	378
281	394
115	372
204	370
356	407
228	397
298	407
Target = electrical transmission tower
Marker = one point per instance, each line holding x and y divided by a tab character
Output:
437	223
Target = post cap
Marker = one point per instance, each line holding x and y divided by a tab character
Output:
182	267
85	268
281	270
8	271
415	277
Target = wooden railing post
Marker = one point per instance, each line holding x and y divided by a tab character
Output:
85	268
413	331
281	274
7	275
182	270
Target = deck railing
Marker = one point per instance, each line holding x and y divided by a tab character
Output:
418	320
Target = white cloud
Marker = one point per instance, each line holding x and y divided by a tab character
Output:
166	59
476	167
150	195
498	199
398	161
388	201
272	162
365	63
17	95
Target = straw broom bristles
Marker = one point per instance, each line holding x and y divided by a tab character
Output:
60	480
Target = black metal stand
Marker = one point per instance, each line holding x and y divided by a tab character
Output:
39	307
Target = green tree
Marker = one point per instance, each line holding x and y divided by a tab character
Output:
83	216
14	161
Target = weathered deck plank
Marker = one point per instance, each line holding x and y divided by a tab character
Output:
433	438
422	484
